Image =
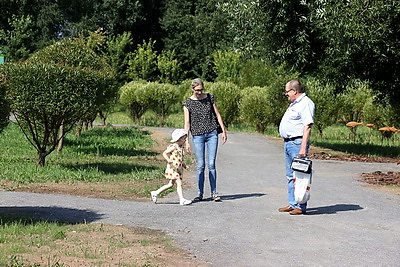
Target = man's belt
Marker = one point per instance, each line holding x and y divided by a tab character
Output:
292	138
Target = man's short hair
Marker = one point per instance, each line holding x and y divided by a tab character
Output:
296	84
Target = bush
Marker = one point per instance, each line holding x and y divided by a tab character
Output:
254	108
227	97
141	96
353	99
227	65
132	96
326	104
43	97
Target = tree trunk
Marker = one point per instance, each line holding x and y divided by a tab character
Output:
61	141
42	159
103	119
79	128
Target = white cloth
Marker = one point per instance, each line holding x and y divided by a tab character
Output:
299	114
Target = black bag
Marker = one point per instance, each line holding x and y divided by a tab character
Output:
219	128
301	165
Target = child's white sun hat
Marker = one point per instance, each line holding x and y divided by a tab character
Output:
178	133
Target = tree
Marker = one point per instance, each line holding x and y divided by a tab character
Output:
194	29
18	40
4	106
361	41
133	96
118	48
290	35
87	53
143	62
45	96
169	67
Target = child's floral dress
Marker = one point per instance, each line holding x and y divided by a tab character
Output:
175	169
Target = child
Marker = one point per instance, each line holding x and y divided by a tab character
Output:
174	155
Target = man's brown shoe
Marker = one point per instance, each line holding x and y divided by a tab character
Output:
285	209
297	212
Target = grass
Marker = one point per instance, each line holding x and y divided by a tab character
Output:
369	142
99	155
28	242
110	156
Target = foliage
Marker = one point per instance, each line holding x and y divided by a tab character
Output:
4	107
169	67
132	96
227	65
227	97
141	96
326	104
380	113
162	97
194	29
17	42
361	42
256	72
254	108
81	53
143	62
289	34
118	48
353	99
44	96
245	27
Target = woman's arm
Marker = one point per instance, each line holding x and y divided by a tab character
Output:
187	127
224	134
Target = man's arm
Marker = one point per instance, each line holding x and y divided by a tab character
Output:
304	141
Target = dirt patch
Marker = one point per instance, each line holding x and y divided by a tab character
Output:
108	245
345	157
381	178
375	178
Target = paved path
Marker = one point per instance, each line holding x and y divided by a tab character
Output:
347	224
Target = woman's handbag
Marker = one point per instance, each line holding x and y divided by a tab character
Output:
301	165
219	128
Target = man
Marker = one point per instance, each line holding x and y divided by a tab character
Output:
295	128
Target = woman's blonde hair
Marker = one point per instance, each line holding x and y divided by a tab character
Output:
197	82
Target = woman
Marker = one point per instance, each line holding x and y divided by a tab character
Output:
200	120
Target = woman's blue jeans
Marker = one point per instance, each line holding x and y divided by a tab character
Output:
292	149
200	143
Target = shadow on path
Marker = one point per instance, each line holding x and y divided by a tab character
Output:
333	209
52	213
238	196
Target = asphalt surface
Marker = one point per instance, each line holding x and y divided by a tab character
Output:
347	223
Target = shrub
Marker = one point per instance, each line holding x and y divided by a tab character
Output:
326	105
43	97
227	65
132	96
254	108
353	99
227	97
143	62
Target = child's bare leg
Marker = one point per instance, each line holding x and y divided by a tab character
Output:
165	187
179	188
